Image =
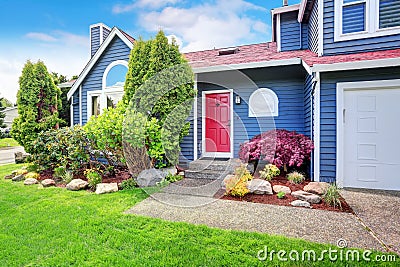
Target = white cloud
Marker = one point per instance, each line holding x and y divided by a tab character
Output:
178	40
205	26
41	36
67	55
153	4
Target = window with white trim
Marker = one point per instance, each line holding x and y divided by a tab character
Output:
112	88
357	19
263	103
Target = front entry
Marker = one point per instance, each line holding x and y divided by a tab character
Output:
218	124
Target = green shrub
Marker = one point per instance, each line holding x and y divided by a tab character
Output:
237	185
66	146
332	196
269	172
173	178
67	177
33	167
59	172
281	195
93	176
105	134
33	175
129	184
21	171
295	177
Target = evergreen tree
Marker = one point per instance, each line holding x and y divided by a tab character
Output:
64	112
2	114
38	101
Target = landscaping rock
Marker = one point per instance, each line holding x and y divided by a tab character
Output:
10	176
228	177
150	177
259	187
309	197
30	181
281	188
48	183
106	188
77	184
300	203
18	178
316	187
250	167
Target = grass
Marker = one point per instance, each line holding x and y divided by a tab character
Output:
8	142
56	227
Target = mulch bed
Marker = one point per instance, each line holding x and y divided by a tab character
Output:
120	176
274	200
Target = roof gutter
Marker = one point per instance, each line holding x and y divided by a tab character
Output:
285	9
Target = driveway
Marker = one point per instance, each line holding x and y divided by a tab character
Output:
379	211
7	154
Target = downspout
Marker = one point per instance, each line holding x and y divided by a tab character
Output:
313	85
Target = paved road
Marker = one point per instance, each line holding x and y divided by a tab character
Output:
7	154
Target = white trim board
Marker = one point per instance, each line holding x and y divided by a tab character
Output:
320	27
195	118
251	65
356	65
340	89
285	9
302	9
203	124
317	127
114	32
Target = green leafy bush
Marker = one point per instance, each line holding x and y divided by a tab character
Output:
67	177
295	177
105	134
237	185
33	175
129	184
33	167
269	172
59	172
93	176
173	178
66	146
332	196
281	195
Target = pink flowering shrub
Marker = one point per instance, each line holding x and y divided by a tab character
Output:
282	148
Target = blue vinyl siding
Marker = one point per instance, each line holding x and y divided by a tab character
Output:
290	32
308	88
313	29
95	40
116	50
352	46
304	36
187	149
328	112
106	32
75	106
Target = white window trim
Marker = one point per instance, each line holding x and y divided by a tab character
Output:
204	153
371	22
268	113
89	102
71	111
340	89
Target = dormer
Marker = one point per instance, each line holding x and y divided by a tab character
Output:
98	33
359	19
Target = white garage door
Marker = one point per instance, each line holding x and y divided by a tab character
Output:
372	138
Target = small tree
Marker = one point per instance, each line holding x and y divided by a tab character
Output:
38	101
2	116
63	112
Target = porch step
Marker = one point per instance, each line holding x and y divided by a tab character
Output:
211	168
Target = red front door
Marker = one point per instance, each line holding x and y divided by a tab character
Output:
218	121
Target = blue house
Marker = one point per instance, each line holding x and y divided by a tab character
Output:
331	72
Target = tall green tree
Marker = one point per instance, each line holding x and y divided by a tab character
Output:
63	112
2	114
5	102
38	101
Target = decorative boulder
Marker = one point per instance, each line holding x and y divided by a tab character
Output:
300	203
48	183
150	177
309	197
259	187
77	184
18	178
316	187
106	188
226	179
281	188
30	181
10	176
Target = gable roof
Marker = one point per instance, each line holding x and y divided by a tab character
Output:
266	54
126	38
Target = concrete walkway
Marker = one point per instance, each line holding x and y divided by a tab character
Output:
7	154
380	212
309	224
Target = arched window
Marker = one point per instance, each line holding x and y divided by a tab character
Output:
263	103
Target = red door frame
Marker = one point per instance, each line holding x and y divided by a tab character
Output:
225	152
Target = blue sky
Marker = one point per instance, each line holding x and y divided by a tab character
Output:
57	31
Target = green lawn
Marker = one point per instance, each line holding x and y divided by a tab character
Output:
56	227
5	142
